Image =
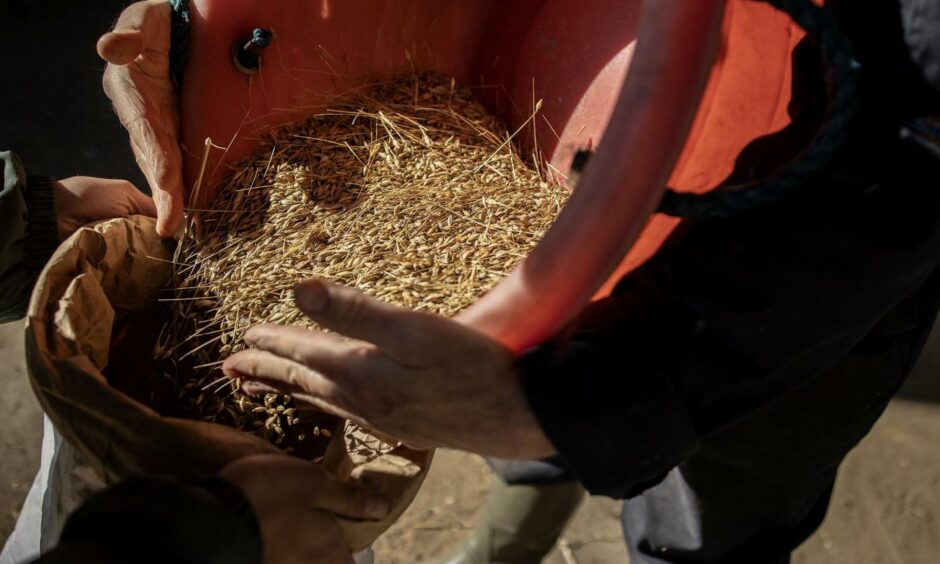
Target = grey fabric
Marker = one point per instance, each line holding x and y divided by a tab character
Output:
531	472
922	35
27	234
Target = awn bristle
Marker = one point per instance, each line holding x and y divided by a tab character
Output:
408	190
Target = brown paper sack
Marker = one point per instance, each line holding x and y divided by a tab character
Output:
101	281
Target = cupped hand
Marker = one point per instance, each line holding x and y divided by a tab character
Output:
295	503
137	81
81	200
424	379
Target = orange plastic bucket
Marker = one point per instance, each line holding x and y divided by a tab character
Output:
628	72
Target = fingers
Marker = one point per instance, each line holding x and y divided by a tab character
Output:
320	351
282	373
267	477
159	157
145	101
338	367
404	335
262	370
121	47
295	502
139	25
169	210
331	494
331	382
137	202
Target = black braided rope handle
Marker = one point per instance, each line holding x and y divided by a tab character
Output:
837	52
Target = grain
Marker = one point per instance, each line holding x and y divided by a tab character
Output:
408	190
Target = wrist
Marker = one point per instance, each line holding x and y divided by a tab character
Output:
507	428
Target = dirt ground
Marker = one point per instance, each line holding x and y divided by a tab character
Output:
886	508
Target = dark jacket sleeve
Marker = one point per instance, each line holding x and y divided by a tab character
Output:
159	520
28	234
733	315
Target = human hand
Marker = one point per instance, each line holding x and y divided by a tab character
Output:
81	200
424	379
294	502
137	81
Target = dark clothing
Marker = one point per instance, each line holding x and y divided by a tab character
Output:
757	489
161	521
732	318
28	234
54	112
735	314
722	383
898	44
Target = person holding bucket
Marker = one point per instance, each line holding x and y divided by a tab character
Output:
716	389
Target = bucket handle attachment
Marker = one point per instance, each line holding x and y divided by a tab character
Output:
246	52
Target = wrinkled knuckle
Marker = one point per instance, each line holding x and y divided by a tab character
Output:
374	406
353	312
296	375
299	352
250	367
360	356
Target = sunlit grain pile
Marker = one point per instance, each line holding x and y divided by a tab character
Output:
408	190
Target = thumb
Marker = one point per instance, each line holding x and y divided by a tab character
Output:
349	312
121	47
139	24
405	335
170	214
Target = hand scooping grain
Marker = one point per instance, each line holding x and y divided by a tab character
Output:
408	190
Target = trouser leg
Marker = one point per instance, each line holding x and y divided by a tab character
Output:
526	511
756	490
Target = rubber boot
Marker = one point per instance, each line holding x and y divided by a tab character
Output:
519	524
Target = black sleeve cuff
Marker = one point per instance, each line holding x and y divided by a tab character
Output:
610	410
42	229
